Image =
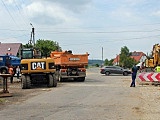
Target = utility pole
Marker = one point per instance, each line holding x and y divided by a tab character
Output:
102	55
32	39
117	59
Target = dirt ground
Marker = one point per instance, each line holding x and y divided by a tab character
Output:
148	94
18	94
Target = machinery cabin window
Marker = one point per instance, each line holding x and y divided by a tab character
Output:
27	54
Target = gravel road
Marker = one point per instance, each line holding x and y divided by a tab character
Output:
100	97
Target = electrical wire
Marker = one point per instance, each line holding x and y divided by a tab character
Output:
14	37
22	17
113	40
9	13
61	32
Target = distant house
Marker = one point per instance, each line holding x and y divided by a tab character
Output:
116	60
10	48
137	56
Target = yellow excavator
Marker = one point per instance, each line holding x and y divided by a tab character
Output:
35	69
153	60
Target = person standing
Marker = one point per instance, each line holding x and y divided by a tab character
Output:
134	74
18	71
10	70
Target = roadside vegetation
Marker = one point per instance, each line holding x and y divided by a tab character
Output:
46	46
125	59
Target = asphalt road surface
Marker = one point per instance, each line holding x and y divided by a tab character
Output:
100	97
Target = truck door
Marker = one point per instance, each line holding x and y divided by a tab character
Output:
7	61
1	61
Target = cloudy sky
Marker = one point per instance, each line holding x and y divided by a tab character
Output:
84	25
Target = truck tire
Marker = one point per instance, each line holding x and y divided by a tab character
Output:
54	80
60	79
4	71
50	80
81	79
25	82
56	75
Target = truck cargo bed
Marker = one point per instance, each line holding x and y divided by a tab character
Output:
69	59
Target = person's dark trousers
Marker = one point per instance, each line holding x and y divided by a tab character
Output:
11	79
133	81
17	75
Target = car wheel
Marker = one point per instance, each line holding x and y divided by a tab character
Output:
125	73
107	73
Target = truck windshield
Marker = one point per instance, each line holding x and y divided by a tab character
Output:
28	54
13	58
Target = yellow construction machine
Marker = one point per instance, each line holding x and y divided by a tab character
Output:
35	69
153	60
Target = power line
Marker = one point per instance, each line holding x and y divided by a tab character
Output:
14	37
66	32
149	24
113	40
22	17
59	32
13	30
9	12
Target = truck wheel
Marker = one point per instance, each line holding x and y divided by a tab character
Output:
50	80
81	79
28	81
60	79
54	81
25	82
4	71
56	75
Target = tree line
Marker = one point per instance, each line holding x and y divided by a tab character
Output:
45	46
125	59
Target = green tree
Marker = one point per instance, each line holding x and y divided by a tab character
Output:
108	62
27	46
46	46
125	59
129	62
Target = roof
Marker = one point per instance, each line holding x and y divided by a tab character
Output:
10	48
135	55
116	59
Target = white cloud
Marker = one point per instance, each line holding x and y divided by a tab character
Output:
157	13
73	5
45	13
125	15
9	1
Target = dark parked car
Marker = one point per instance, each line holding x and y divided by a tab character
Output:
107	70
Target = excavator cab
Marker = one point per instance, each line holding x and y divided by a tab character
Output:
30	53
153	60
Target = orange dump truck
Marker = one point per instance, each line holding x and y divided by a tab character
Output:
70	65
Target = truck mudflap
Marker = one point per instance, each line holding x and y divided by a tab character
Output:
64	76
80	78
72	74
